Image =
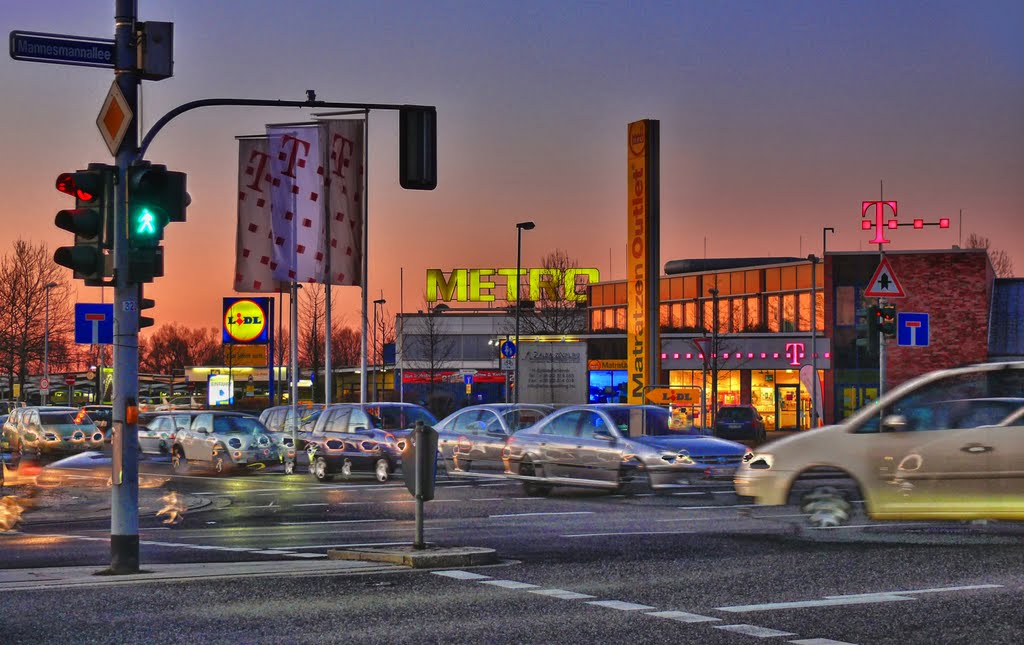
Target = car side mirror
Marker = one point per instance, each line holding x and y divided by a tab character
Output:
203	430
359	429
894	423
496	432
604	435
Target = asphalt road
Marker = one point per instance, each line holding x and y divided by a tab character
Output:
694	566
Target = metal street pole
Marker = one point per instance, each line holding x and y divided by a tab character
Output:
376	350
814	341
124	490
520	227
714	356
46	341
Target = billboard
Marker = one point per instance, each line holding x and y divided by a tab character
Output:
642	258
246	321
553	372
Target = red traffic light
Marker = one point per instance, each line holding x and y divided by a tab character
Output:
77	185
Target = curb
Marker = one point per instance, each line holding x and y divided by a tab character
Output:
432	556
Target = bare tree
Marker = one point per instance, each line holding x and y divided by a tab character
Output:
346	346
557	309
1001	262
312	314
173	347
431	349
24	323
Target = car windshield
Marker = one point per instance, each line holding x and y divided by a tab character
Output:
65	419
734	414
232	424
650	421
399	418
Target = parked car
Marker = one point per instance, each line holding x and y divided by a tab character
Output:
948	445
350	438
472	439
280	420
740	422
225	441
611	445
51	430
157	430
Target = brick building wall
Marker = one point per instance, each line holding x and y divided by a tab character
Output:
955	289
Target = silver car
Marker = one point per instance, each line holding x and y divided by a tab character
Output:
157	430
223	441
608	446
472	439
52	430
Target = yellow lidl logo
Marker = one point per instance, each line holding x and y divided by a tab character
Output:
245	321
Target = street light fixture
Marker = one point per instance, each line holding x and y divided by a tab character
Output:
376	352
520	227
46	340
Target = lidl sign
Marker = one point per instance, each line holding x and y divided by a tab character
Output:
246	320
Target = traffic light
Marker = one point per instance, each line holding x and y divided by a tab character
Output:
874	321
156	197
417	147
887	320
144	304
90	221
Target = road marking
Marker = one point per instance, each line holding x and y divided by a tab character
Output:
862	526
539	514
508	584
460	575
683	616
487	499
331	522
852	599
701	508
620	605
312	504
699	492
561	593
819	641
583	535
753	630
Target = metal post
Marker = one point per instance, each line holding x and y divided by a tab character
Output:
714	356
293	362
814	340
520	227
124	491
379	352
46	340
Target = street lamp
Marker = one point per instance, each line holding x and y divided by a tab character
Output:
46	340
827	229
814	338
714	356
520	227
376	353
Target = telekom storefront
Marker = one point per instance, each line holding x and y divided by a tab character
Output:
774	374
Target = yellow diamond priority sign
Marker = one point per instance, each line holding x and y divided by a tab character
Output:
114	118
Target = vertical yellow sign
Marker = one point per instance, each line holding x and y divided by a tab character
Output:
636	262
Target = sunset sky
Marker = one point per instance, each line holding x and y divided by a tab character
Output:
777	119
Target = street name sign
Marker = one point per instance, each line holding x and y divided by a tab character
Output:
62	49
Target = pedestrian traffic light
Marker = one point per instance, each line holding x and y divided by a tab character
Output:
887	320
156	197
90	221
144	304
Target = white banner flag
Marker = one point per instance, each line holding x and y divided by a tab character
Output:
344	140
297	192
254	247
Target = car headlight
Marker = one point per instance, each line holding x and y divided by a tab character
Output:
235	442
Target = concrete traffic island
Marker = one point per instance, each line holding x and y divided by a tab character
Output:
430	557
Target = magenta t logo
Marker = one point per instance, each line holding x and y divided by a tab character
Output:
879	222
794	352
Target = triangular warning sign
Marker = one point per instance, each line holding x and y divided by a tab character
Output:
884	283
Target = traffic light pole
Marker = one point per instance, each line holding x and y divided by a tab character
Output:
124	495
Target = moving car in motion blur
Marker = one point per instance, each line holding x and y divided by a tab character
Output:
157	430
51	430
611	445
740	422
472	439
280	420
948	445
224	441
350	438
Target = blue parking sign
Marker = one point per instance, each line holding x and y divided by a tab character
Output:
912	329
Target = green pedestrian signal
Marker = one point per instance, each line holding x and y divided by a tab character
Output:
145	223
156	197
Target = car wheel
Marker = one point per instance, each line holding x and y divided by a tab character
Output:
532	489
319	468
826	507
380	470
346	469
178	462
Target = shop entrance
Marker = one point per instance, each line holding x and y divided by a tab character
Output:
787	407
